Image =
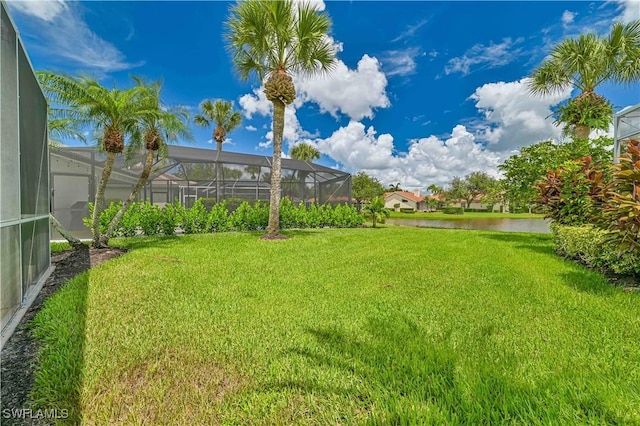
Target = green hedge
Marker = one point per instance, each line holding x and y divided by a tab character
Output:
453	210
594	248
151	220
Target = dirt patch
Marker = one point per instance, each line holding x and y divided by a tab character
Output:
274	237
19	355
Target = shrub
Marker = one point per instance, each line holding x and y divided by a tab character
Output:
594	248
233	203
566	193
407	210
194	220
168	220
453	210
218	218
105	217
208	203
149	219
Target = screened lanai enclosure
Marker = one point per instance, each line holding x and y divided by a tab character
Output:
626	125
184	176
24	178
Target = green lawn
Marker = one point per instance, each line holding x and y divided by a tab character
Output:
381	326
467	215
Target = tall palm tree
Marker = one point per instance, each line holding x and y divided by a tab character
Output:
584	63
167	125
220	113
114	114
275	39
308	153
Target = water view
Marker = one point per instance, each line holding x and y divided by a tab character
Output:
486	224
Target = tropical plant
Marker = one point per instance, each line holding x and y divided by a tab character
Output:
114	113
621	208
275	39
221	114
521	171
365	187
166	125
377	210
584	63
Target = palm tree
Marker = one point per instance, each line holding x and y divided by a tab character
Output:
377	210
155	131
584	63
114	113
305	152
308	153
394	188
220	113
274	39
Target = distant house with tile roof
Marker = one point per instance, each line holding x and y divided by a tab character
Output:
405	200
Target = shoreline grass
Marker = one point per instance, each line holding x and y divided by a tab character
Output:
381	326
466	215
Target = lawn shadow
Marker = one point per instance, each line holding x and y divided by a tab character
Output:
405	376
539	243
587	281
133	243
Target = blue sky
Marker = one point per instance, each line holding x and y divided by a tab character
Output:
423	91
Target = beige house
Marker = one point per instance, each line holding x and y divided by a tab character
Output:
398	200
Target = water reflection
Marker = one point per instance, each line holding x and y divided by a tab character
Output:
486	224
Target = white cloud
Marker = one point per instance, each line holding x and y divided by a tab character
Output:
491	56
251	128
355	93
410	31
512	117
429	160
64	36
357	148
44	10
255	104
401	62
567	18
630	10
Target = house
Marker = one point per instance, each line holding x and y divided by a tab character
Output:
398	200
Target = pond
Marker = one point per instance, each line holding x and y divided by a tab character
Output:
486	224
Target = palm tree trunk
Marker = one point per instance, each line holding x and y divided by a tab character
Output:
274	206
132	197
98	205
75	243
218	172
581	131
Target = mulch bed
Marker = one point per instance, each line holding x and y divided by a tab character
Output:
19	355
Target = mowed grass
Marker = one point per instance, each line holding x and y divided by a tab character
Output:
361	326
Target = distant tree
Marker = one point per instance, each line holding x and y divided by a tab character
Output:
394	188
377	210
305	152
521	171
254	171
478	184
584	63
365	187
457	190
273	40
221	114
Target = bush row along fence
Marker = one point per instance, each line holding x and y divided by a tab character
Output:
151	220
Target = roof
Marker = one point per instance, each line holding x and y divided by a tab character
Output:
410	195
181	154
